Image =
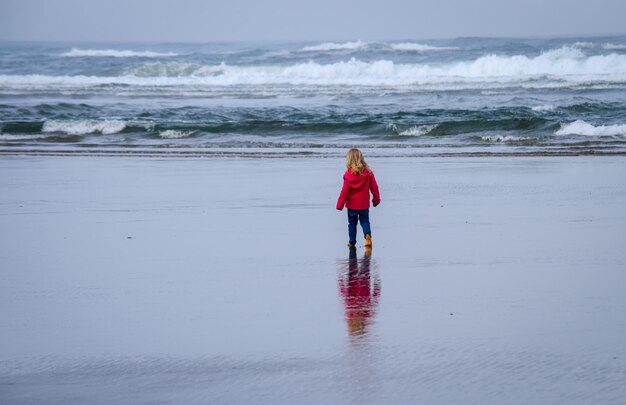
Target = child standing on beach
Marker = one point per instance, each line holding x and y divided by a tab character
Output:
358	181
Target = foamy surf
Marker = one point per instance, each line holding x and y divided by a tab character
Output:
504	138
83	127
21	137
114	53
174	134
544	108
176	69
418	130
581	127
562	67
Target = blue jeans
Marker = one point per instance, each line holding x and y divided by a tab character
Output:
354	216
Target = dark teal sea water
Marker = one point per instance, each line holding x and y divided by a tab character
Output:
459	96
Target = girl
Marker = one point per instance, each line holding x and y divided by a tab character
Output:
358	181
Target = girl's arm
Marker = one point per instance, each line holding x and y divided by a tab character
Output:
374	190
343	196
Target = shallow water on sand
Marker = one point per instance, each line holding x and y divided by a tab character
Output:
228	281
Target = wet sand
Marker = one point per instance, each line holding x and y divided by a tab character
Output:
142	280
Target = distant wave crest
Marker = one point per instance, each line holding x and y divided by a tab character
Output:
114	53
583	44
414	47
334	46
581	127
562	67
614	46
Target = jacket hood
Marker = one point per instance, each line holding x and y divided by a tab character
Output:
355	180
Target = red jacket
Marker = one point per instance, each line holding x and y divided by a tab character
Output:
355	193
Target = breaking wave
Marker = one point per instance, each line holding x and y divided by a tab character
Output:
114	53
560	67
175	134
418	130
544	108
83	127
583	44
581	127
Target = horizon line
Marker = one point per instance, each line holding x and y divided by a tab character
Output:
354	39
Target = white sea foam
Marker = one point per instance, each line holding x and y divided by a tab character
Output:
583	44
504	138
176	69
544	108
334	46
21	137
82	127
414	47
614	46
418	130
174	134
581	127
114	53
561	67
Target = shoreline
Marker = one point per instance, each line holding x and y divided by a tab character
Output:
296	154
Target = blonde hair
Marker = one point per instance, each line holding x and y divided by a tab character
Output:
356	162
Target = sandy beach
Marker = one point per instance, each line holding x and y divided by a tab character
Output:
227	281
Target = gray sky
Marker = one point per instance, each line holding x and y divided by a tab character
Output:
241	20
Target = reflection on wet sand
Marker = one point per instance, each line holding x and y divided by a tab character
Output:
359	286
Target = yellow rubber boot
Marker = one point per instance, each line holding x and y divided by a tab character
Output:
368	241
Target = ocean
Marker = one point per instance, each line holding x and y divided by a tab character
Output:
457	97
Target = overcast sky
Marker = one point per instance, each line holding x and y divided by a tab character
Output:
243	20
